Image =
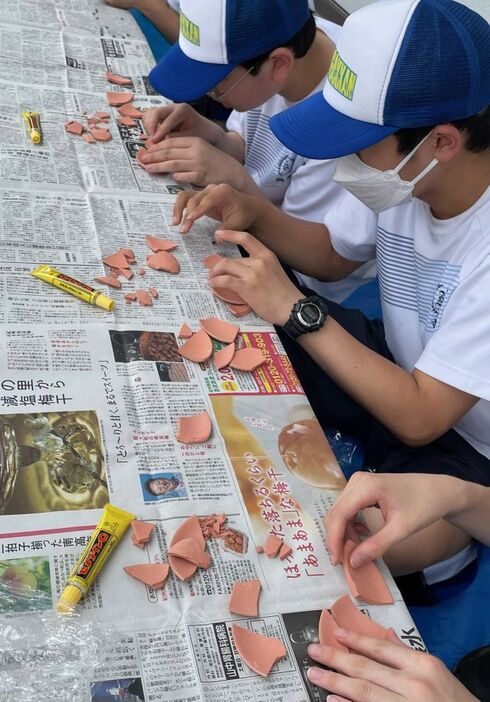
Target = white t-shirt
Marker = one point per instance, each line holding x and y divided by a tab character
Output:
435	292
302	187
175	4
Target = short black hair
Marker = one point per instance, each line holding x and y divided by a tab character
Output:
476	128
299	44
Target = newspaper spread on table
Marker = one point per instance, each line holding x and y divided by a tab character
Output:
89	400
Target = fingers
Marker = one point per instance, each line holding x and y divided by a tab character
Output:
152	118
201	204
170	118
180	206
251	245
378	650
350	689
194	177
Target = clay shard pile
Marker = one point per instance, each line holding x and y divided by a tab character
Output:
198	346
187	550
275	547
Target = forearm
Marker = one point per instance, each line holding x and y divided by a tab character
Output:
165	19
387	391
304	246
229	142
470	509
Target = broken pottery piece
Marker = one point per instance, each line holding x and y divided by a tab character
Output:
189	529
239	310
182	569
272	546
108	280
74	127
117	99
194	429
259	652
116	260
326	628
190	550
127	122
157	244
349	617
365	582
129	110
144	298
153	292
248	359
220	330
212	260
141	531
224	356
228	296
199	347
126	272
131	296
284	552
244	598
101	133
89	138
163	261
117	80
259	549
128	255
152	574
102	116
141	271
185	332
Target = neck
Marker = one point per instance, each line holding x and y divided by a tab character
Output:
462	184
309	70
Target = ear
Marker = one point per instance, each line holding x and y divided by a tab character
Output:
448	141
281	64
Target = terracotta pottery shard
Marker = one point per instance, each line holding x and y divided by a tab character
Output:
74	127
126	272
101	134
349	617
228	296
141	531
182	569
102	116
144	298
248	359
108	280
284	552
131	297
117	80
223	357
365	582
117	99
259	549
152	574
116	260
153	292
244	598
239	310
89	138
272	546
212	260
129	110
190	550
185	332
259	652
127	122
199	347
141	271
129	255
163	261
189	529
195	429
156	244
217	329
326	627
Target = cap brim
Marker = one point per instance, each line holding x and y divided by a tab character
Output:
314	129
182	79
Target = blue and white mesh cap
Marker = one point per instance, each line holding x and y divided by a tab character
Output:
218	35
398	64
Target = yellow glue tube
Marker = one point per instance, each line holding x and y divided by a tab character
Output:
74	287
108	533
34	126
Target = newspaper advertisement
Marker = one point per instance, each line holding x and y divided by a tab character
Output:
90	400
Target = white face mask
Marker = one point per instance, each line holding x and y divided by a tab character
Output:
378	190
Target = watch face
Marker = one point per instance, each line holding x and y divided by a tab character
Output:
309	314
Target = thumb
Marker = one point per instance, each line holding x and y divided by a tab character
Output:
374	547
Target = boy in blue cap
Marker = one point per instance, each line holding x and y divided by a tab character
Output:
405	112
258	57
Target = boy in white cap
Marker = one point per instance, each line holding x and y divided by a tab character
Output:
257	57
405	110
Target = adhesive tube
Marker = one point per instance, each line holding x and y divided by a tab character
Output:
108	532
33	123
73	287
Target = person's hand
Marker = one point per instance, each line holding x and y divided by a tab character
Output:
195	160
383	671
125	4
259	279
234	209
408	502
178	119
